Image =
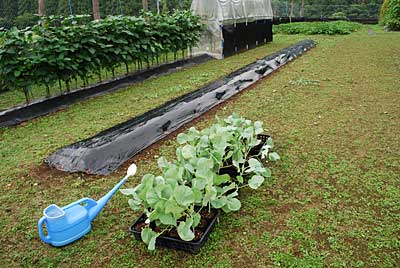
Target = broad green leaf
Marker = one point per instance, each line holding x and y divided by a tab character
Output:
270	142
152	243
152	197
171	206
159	181
233	204
228	188
154	215
240	179
160	205
147	180
135	205
162	162
17	73
254	163
221	179
167	219
205	163
274	156
199	183
181	138
196	219
130	191
183	195
149	237
256	181
248	133
188	151
258	127
238	156
266	173
211	194
189	167
219	202
171	172
198	196
147	234
204	173
184	230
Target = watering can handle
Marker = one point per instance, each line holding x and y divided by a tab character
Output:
45	238
89	203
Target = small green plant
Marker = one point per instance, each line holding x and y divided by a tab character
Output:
328	28
194	182
390	15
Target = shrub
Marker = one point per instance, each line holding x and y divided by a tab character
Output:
390	15
329	28
338	15
4	24
25	20
384	7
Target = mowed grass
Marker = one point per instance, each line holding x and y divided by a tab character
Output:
334	198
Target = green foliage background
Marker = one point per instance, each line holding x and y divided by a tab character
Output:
65	50
328	28
390	14
19	12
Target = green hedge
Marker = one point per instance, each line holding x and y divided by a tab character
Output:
64	49
390	15
329	28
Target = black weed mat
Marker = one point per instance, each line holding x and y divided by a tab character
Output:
22	113
109	149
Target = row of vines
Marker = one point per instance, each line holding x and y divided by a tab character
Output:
66	49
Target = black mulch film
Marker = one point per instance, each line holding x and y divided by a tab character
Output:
109	149
22	113
242	36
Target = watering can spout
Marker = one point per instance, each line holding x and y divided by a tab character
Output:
94	211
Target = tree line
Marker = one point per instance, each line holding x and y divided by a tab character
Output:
327	8
21	13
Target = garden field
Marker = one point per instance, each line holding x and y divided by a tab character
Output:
333	200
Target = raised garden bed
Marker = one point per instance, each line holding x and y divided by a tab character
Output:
109	149
172	240
22	113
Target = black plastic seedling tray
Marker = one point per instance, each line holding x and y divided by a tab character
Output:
263	138
178	244
231	171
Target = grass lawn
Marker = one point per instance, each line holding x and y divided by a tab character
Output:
334	114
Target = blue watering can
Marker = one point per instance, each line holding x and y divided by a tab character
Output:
67	224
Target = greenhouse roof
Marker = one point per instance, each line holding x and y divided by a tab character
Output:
227	11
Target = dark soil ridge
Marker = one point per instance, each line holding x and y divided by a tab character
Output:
106	151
